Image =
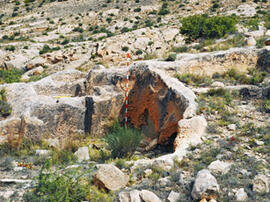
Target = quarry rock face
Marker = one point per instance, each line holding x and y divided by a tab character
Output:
156	101
72	101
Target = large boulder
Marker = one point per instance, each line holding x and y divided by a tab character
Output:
110	177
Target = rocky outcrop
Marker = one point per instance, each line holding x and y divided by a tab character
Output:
156	101
70	102
220	61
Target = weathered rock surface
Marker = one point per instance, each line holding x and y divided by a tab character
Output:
260	184
173	196
219	61
219	167
110	177
205	185
82	154
149	196
241	195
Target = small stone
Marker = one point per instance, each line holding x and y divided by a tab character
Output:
250	41
148	196
232	127
163	182
43	152
7	194
267	42
205	185
173	197
148	172
241	195
260	184
259	142
16	169
219	166
72	166
82	153
217	84
53	142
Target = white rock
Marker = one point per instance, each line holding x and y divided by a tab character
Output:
250	41
14	181
217	84
148	172
72	166
53	142
124	197
170	33
6	194
173	197
18	62
148	196
135	196
16	169
260	184
205	185
241	195
246	10
259	142
163	182
232	127
219	166
191	131
43	152
82	153
255	34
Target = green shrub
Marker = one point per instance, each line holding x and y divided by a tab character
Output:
125	48
266	105
198	26
5	109
47	49
10	76
171	57
181	49
68	185
253	24
192	79
10	48
254	76
123	141
138	52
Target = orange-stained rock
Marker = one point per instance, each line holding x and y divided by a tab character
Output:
156	102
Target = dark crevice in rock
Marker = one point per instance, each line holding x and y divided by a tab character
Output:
89	105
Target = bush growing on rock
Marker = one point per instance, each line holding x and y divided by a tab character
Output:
10	76
202	26
123	141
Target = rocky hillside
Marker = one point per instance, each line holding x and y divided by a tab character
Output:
198	124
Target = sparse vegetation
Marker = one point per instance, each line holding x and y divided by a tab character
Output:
10	76
123	141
